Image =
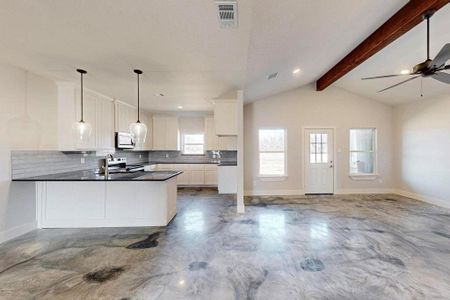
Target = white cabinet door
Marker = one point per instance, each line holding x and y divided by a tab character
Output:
172	133
165	132
159	133
196	177
149	122
105	124
125	115
225	117
211	177
227	179
77	201
211	139
227	142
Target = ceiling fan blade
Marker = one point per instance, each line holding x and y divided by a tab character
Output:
442	77
383	76
442	57
400	83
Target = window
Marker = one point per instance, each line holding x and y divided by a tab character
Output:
193	144
362	151
318	143
272	153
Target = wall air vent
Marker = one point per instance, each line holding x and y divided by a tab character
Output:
272	76
227	13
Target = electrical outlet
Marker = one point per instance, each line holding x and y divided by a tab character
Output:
82	160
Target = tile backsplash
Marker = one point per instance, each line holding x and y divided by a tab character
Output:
35	163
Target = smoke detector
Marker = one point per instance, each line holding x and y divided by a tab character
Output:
227	13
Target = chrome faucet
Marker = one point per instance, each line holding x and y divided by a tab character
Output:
105	166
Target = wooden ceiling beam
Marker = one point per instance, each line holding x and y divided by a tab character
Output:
401	22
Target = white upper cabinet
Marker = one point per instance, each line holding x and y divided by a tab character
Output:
105	124
126	114
165	132
225	116
211	139
98	112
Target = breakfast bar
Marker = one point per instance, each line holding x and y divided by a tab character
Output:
85	199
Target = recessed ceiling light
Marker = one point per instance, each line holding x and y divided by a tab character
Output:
296	71
158	94
180	107
404	72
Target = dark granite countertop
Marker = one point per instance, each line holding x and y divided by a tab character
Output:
89	175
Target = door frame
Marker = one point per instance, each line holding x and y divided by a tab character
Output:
304	162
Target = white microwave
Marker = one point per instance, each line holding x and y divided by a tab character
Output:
124	140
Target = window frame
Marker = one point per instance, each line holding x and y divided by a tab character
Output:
364	176
275	177
183	144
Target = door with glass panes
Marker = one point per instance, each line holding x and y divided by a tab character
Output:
319	161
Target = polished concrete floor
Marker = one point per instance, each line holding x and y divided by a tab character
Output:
330	247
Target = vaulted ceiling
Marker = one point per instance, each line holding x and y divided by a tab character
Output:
189	58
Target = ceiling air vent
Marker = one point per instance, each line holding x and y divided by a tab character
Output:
272	76
227	13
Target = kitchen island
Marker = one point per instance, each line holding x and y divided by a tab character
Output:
85	199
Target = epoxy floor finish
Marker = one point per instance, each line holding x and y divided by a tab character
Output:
307	247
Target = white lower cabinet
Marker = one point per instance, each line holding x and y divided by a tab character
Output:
193	174
105	203
196	177
227	177
210	177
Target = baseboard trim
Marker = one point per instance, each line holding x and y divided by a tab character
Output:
424	198
301	192
274	193
364	191
14	232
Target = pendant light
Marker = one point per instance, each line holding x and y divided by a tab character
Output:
82	130
138	129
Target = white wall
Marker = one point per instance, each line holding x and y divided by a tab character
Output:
305	107
423	148
28	117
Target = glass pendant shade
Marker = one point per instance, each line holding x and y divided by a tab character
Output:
139	132
82	131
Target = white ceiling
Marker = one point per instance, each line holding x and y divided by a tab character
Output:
187	56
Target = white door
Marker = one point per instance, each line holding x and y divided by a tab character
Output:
319	161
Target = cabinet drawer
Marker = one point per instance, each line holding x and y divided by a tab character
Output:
180	167
211	167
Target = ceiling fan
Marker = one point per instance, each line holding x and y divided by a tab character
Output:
429	68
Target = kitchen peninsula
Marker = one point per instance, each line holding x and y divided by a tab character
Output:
86	199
